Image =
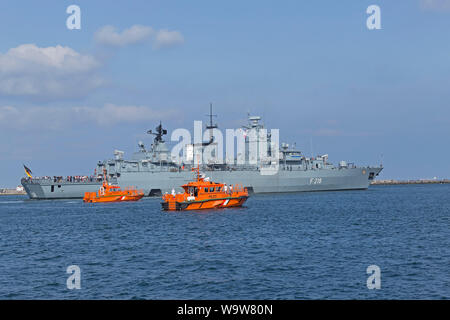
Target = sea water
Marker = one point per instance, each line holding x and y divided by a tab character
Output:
314	245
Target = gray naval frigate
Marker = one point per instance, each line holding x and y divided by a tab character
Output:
155	172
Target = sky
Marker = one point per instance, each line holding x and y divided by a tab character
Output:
70	97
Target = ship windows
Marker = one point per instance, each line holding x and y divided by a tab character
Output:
193	191
211	189
206	189
218	189
59	186
52	188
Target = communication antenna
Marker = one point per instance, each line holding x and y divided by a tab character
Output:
311	146
211	125
264	116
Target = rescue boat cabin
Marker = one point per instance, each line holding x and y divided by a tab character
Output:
204	188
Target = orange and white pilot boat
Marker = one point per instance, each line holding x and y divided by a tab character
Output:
205	194
113	193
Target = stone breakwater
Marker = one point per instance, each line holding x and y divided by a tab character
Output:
420	181
9	192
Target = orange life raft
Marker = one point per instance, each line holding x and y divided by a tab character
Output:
204	194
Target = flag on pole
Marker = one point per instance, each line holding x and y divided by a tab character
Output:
28	171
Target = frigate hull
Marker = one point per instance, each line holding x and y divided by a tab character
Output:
64	190
156	183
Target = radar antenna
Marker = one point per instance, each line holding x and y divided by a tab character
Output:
159	133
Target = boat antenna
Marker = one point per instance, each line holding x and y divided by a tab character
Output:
105	176
197	170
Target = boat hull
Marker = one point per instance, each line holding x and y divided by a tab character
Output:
228	202
156	183
118	198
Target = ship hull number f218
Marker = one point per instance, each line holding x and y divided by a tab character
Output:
315	180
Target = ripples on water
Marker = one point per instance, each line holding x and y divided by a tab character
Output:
285	246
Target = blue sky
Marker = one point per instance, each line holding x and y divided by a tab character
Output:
68	98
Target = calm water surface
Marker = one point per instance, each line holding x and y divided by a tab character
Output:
283	246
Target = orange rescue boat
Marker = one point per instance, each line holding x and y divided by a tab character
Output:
113	193
205	194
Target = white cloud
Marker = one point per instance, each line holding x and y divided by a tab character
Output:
327	132
166	38
111	114
334	132
439	5
7	113
47	73
58	118
37	117
109	36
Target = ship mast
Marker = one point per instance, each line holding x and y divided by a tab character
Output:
211	126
